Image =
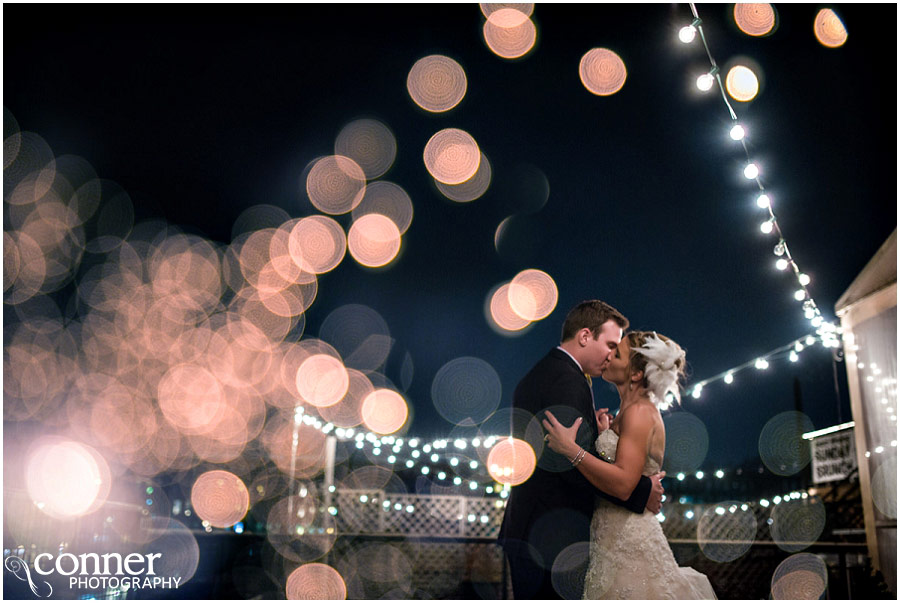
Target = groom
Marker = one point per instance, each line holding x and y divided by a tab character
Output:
553	508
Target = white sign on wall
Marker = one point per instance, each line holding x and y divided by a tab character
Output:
833	456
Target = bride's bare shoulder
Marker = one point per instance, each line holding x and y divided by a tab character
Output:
642	413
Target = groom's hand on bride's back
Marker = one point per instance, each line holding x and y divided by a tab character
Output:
654	503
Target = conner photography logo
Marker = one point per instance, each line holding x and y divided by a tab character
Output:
91	571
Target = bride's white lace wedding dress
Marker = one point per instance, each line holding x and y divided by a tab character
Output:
630	557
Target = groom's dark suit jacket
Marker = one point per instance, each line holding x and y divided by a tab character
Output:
553	508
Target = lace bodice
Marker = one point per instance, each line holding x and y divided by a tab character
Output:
630	557
606	445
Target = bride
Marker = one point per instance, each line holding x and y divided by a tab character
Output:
629	555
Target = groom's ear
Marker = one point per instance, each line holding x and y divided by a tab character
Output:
584	335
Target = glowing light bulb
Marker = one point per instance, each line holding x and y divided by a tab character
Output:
751	171
699	475
687	34
779	249
738	132
793	357
763	201
804	279
720	474
799	294
705	82
767	226
781	264
696	392
798	347
729	378
816	321
762	364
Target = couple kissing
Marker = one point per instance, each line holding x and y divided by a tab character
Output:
597	479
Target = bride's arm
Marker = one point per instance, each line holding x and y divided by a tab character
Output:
620	478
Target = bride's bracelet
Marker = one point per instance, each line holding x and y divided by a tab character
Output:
578	457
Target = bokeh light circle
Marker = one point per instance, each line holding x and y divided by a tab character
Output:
315	582
471	189
385	564
741	83
191	398
499	312
829	29
374	240
569	570
801	576
317	244
12	138
359	334
602	71
11	261
369	143
436	83
797	523
781	445
533	294
754	19
220	497
884	486
65	478
511	461
488	8
322	380
384	411
727	536
179	551
687	442
348	412
452	156
387	199
258	217
509	33
466	391
335	184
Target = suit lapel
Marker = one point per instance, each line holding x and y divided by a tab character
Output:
588	412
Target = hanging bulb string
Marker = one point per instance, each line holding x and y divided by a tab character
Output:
714	68
825	330
772	355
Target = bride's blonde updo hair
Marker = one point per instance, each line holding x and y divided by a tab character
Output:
661	360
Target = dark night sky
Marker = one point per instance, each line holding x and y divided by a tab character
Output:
202	111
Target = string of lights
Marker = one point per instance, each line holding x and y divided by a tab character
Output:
790	350
826	330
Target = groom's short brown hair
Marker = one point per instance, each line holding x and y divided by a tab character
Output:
591	314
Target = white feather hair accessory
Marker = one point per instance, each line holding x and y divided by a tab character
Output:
662	368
